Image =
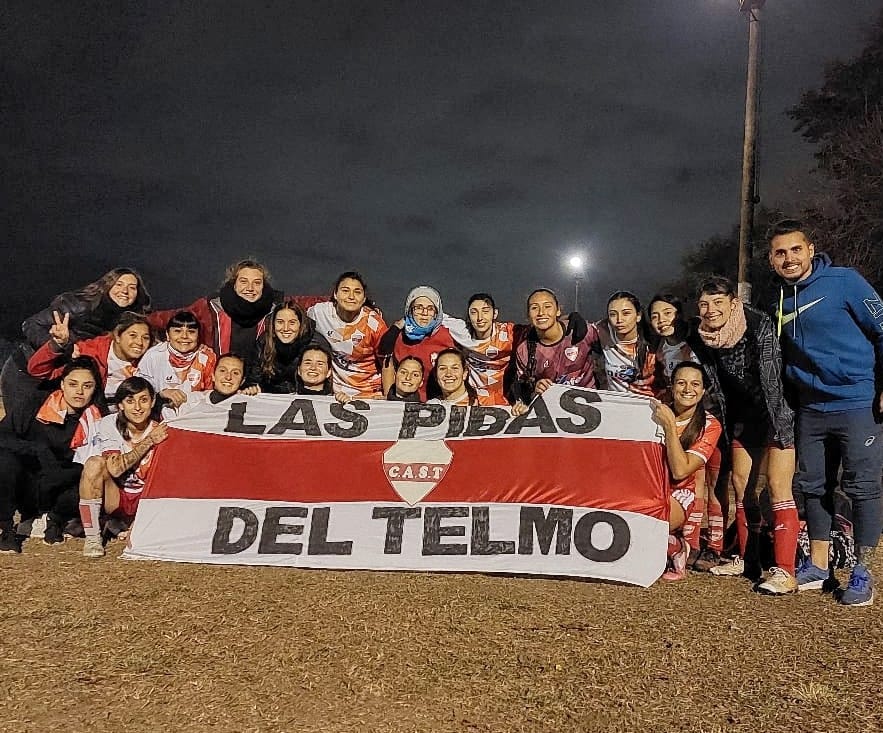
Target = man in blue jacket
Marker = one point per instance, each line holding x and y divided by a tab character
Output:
830	324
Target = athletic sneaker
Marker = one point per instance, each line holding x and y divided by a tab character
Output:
778	583
53	534
707	560
93	547
812	577
678	569
38	527
860	591
736	566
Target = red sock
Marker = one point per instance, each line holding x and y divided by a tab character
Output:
693	523
674	545
741	528
715	527
785	531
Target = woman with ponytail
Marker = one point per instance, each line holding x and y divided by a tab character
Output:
629	360
691	437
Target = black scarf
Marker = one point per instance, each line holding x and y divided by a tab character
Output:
104	316
242	312
216	397
287	354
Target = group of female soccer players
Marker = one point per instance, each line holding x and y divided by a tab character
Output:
87	392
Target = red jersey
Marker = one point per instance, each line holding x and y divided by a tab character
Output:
704	445
425	350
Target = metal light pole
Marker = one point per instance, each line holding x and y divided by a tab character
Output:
752	9
576	263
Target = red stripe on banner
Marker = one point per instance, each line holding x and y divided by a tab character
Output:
598	473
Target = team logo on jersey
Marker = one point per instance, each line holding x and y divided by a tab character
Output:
415	467
874	306
492	352
571	352
357	337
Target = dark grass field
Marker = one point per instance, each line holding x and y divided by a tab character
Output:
131	646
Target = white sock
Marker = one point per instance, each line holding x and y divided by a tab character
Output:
90	511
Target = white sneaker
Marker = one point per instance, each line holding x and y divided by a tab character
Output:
778	583
38	527
735	567
93	547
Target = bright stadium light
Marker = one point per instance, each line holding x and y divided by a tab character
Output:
577	265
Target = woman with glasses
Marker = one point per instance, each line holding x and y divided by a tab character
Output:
420	334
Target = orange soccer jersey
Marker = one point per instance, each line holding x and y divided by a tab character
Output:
354	348
487	361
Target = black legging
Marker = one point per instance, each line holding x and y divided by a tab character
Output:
33	488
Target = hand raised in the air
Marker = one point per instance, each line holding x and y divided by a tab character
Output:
60	331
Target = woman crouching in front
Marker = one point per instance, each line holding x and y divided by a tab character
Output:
691	437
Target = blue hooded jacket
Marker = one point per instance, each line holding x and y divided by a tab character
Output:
830	327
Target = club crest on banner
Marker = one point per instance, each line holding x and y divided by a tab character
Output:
415	467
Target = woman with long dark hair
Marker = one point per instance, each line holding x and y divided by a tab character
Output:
115	470
448	381
678	341
88	312
117	354
488	345
353	327
409	377
289	331
93	310
553	354
39	475
629	359
691	436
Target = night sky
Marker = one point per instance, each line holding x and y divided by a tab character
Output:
450	143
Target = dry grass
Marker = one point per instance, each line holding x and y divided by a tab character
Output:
152	646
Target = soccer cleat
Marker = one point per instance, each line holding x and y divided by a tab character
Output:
678	569
860	591
54	534
812	577
778	583
736	566
93	547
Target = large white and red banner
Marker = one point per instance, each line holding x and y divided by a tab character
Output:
575	487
